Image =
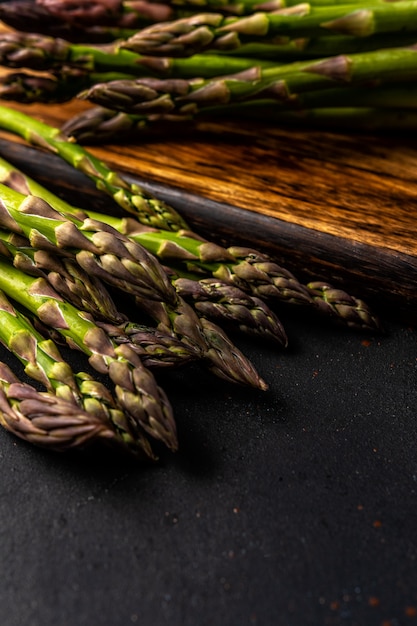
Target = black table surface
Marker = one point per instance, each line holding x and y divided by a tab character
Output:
291	507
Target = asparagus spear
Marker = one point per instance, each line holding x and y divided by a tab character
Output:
213	31
65	275
30	88
79	22
250	270
125	264
283	83
156	349
136	389
92	403
131	197
247	269
238	7
227	304
101	125
46	53
286	50
213	299
28	16
129	14
43	419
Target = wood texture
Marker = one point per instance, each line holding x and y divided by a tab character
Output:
332	205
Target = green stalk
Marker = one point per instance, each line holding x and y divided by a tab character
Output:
240	7
43	362
218	301
65	275
46	420
135	387
285	84
29	16
211	31
43	53
37	17
229	306
32	88
288	50
191	256
127	265
156	349
131	197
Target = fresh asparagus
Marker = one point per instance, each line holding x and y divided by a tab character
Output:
101	125
211	31
126	265
282	83
78	23
131	197
43	419
65	275
227	304
156	349
212	298
247	269
30	88
78	63
129	14
28	16
91	401
136	389
286	50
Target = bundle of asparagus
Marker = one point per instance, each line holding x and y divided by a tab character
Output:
344	62
60	265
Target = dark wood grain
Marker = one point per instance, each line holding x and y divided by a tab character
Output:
325	204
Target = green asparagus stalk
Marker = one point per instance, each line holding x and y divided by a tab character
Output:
29	16
78	63
129	14
136	389
43	363
35	17
65	275
246	269
250	270
156	349
239	7
286	50
211	298
131	197
44	419
121	262
100	250
99	125
211	31
30	88
283	83
228	305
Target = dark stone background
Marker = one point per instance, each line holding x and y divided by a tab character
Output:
294	507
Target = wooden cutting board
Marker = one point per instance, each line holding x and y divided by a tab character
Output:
324	204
